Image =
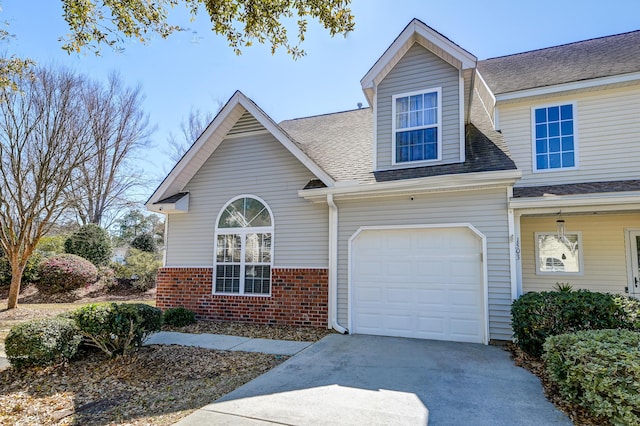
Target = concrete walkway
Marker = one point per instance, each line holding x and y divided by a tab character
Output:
371	380
228	343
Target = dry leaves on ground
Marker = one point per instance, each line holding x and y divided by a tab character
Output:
257	331
157	385
577	414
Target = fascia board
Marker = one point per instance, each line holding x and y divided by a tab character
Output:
411	34
562	201
420	185
565	87
213	136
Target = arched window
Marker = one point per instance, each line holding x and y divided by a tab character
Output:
243	250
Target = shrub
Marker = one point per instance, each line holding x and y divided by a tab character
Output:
141	268
29	275
65	272
107	277
536	316
90	242
179	317
599	370
145	242
50	245
117	328
42	342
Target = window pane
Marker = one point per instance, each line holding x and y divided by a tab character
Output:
258	248
416	103
554	129
417	145
566	112
554	145
566	127
228	248
402	105
541	115
568	159
558	255
541	130
554	161
243	213
553	113
431	100
415	119
541	146
257	279
567	143
402	120
228	278
542	162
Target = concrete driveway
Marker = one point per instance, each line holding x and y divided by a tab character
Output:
358	380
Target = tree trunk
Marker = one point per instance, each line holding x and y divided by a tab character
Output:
16	280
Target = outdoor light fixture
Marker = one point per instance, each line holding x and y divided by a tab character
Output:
560	226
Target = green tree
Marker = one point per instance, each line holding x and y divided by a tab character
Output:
90	242
135	223
242	22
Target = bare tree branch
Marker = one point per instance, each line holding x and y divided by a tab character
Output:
42	141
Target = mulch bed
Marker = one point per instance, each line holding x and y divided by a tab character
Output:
279	332
577	414
156	385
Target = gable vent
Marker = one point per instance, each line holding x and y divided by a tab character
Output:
246	123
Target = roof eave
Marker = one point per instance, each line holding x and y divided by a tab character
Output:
213	136
456	182
416	32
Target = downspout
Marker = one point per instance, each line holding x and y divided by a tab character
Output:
333	266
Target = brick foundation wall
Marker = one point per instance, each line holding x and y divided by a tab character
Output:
298	297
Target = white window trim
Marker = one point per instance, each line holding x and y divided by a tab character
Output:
576	152
580	255
243	233
438	91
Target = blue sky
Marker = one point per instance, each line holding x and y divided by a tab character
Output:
197	68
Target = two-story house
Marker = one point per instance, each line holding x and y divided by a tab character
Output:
464	184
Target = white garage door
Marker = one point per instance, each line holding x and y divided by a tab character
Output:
422	283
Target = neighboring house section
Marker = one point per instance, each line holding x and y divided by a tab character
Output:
464	184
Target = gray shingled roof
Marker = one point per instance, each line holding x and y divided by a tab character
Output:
172	199
577	188
583	60
340	143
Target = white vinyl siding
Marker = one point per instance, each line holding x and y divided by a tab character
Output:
419	70
609	136
603	251
484	209
261	166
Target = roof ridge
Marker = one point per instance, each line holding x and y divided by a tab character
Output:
325	114
560	45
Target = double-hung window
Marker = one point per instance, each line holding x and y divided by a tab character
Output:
416	126
244	248
554	137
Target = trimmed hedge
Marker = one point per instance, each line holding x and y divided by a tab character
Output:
179	317
537	316
65	272
42	342
117	328
599	370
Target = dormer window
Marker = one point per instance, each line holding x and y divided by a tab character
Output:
416	126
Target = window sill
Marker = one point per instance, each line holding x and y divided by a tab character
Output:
241	295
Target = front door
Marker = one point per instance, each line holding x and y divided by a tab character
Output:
634	274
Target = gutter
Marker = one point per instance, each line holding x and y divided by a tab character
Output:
333	267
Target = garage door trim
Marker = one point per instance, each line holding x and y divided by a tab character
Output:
473	229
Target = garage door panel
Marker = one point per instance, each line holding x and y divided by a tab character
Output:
421	283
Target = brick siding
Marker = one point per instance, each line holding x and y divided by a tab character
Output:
298	297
